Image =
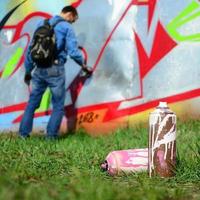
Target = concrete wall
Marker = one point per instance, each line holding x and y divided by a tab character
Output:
142	52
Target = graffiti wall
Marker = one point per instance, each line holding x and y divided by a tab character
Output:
142	52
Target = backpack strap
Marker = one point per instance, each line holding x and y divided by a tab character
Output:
46	22
58	21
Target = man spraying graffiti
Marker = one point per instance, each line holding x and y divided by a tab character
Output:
53	41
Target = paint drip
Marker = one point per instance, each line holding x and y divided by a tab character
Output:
162	141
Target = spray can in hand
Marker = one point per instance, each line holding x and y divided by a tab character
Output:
162	142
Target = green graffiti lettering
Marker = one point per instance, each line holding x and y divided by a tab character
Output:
187	15
10	66
45	103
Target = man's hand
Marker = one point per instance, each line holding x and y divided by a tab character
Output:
87	70
27	78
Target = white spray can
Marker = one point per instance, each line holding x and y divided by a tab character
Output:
162	141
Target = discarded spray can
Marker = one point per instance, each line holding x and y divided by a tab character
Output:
126	161
162	141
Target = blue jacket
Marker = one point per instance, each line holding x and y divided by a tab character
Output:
66	42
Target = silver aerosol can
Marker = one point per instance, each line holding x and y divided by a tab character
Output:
162	141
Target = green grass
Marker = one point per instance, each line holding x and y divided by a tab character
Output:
69	168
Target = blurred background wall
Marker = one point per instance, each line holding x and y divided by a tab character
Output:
142	52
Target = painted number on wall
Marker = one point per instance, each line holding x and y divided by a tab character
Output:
88	117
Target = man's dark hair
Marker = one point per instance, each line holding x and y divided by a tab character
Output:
67	9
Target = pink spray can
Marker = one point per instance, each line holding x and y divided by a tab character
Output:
162	141
126	161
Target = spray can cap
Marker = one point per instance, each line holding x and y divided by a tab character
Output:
162	104
104	166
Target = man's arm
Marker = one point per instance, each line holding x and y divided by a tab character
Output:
73	50
29	66
72	47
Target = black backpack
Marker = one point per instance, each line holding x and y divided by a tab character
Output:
43	45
